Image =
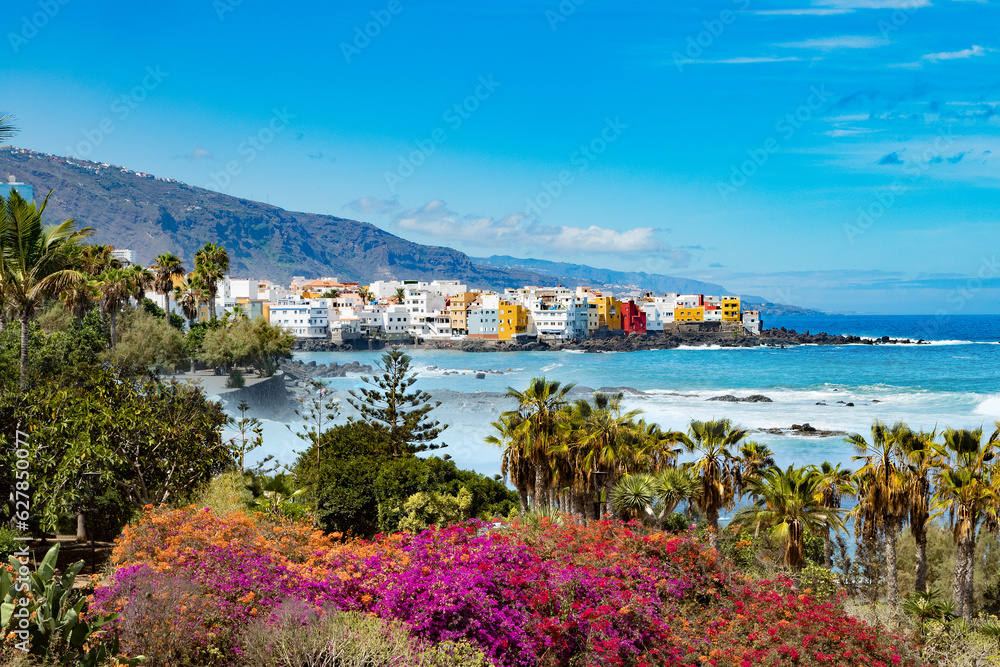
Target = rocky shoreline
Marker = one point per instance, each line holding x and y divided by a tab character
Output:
615	341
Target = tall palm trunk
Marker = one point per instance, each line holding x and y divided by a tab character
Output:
892	568
961	588
541	482
609	485
920	567
795	550
166	306
522	495
25	321
114	328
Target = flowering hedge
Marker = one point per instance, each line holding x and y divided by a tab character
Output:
569	594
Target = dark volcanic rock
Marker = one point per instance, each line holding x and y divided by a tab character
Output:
753	398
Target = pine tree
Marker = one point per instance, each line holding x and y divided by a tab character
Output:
317	414
387	405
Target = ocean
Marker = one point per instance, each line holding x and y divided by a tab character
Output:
952	382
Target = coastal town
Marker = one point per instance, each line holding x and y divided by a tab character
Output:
443	310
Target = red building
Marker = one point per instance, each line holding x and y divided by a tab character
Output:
633	319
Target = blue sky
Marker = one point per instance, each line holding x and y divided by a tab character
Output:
838	154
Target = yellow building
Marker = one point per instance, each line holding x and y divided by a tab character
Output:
609	312
689	314
513	320
458	310
730	309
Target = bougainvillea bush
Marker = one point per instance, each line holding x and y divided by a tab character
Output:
608	594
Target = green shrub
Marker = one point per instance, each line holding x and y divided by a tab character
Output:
820	581
676	523
454	654
235	380
110	516
225	494
297	634
8	544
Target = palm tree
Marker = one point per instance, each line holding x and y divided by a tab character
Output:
968	489
790	506
513	462
654	497
882	492
538	409
166	268
610	441
832	483
211	263
921	457
717	469
93	259
754	458
116	287
79	296
7	128
35	261
400	295
189	295
365	294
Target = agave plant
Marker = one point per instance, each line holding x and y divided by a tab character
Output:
47	620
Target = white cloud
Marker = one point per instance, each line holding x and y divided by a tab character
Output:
874	4
435	219
975	51
747	60
373	205
801	12
841	42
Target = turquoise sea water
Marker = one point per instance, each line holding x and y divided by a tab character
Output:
954	381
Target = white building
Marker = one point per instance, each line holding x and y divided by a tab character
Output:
660	312
304	319
386	289
421	303
752	323
688	301
123	255
556	313
395	320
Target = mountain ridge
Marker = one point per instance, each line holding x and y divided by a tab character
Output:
152	215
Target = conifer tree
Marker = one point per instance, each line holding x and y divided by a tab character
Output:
390	405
